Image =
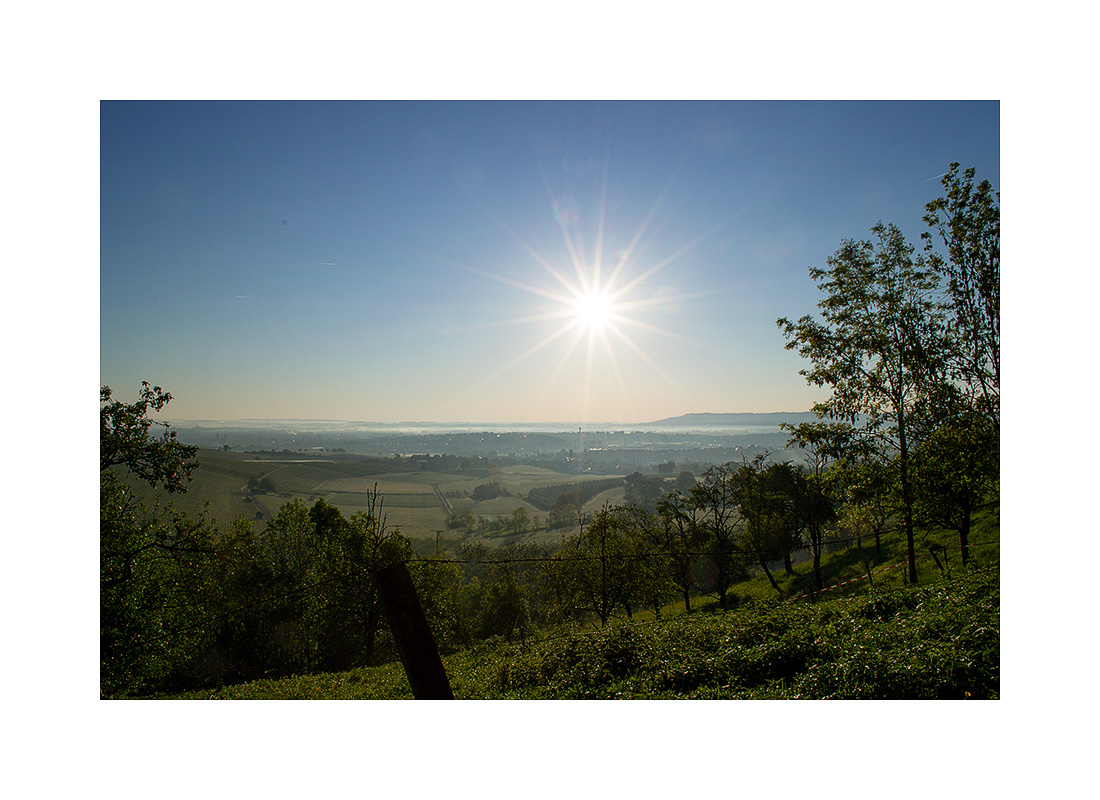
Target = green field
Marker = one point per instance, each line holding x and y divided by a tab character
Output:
220	489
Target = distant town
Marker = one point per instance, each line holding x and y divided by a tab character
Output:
691	441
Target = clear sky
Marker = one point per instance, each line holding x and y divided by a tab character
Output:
493	261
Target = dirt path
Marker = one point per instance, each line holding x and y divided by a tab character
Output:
267	516
443	502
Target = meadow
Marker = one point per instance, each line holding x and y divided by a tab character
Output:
219	488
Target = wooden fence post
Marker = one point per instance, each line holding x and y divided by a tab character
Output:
415	644
932	549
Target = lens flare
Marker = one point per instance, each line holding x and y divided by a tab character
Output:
591	315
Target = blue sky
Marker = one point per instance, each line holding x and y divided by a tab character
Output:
394	261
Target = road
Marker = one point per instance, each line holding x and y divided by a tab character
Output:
267	516
443	502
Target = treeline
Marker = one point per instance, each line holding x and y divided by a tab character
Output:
544	498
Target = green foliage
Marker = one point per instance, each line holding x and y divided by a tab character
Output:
680	537
967	220
937	641
880	348
185	604
544	498
912	363
566	510
125	440
955	469
487	491
716	514
465	519
520	521
262	485
767	528
644	491
602	567
151	558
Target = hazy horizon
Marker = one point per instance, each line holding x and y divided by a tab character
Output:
494	261
482	422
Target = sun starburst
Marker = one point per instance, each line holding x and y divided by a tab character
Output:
599	314
595	310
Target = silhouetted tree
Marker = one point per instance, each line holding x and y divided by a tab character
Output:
967	220
715	505
880	348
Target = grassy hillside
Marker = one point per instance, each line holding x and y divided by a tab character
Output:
867	635
939	640
863	638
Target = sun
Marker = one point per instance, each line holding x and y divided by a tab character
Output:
593	315
595	310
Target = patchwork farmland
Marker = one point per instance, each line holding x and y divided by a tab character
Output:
220	487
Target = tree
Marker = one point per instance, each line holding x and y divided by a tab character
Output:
262	485
880	348
682	538
503	605
442	593
352	607
715	502
814	492
645	570
151	558
465	519
568	507
487	491
684	481
864	485
968	222
594	570
788	481
125	440
954	469
520	520
763	512
643	491
257	611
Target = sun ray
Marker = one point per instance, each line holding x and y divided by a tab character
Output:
545	316
651	328
660	265
657	203
558	276
669	381
601	218
565	356
616	372
601	309
550	337
563	219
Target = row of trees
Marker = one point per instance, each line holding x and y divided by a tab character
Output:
909	345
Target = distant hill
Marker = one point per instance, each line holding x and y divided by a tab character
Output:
707	420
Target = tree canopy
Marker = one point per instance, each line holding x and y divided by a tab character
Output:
125	439
904	354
